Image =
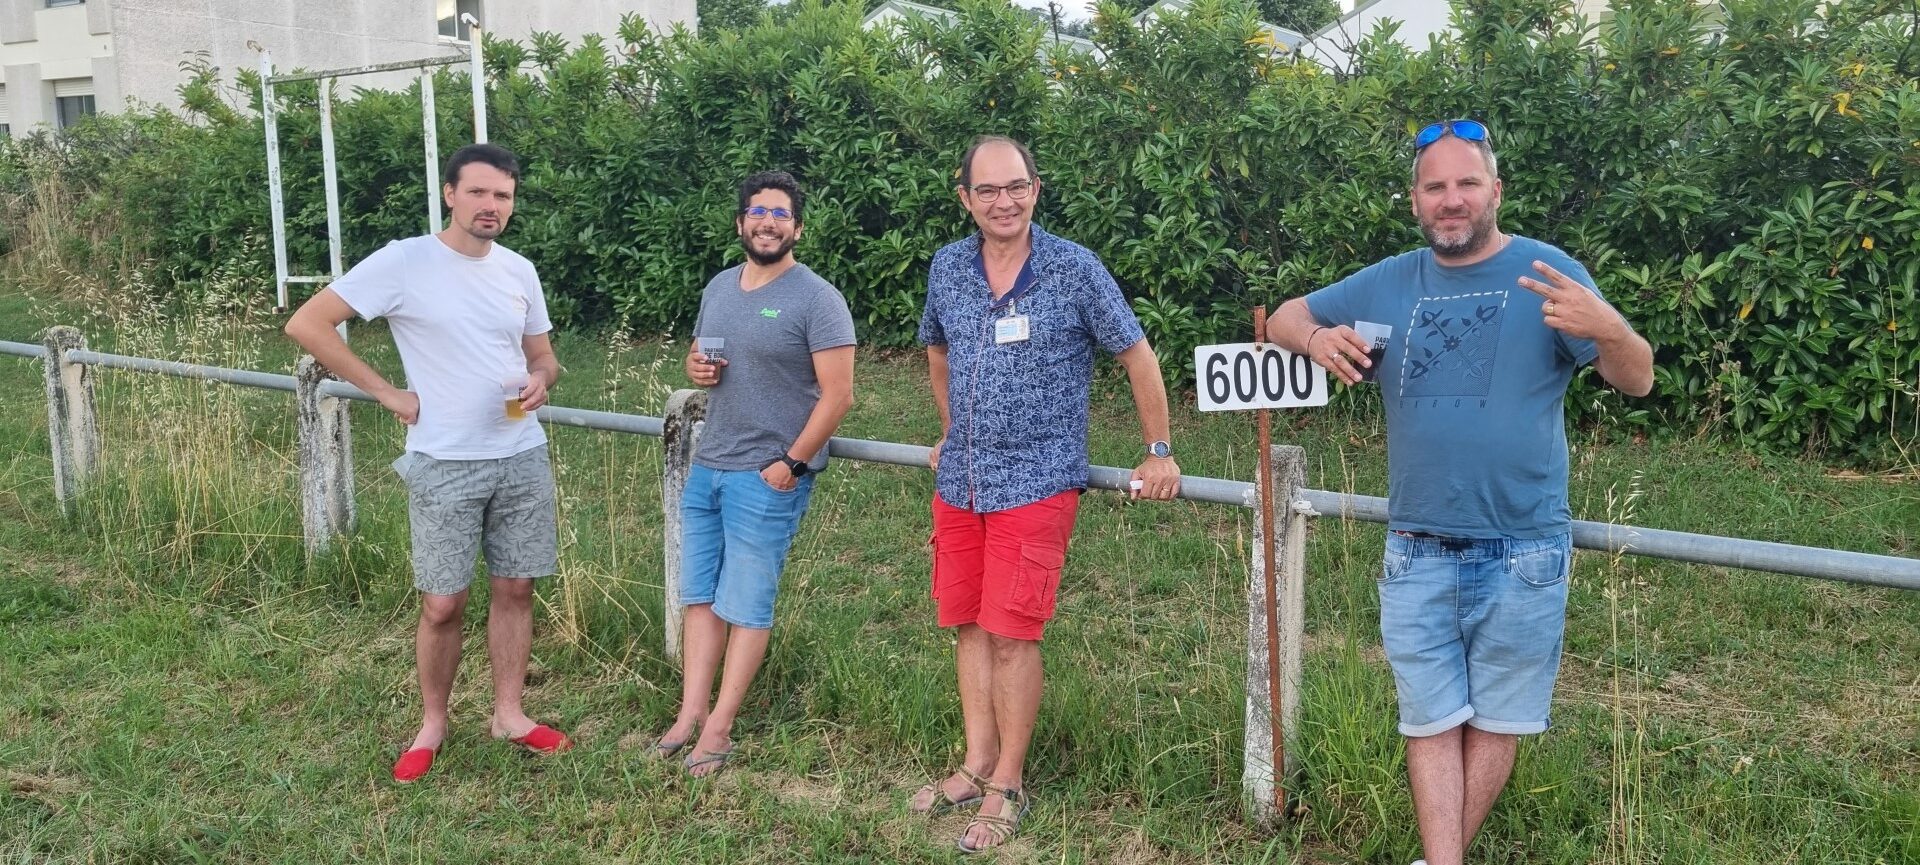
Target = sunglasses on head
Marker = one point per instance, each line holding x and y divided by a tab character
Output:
1467	130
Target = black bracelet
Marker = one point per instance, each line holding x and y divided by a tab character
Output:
1310	335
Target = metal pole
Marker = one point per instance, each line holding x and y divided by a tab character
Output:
331	169
275	197
430	124
477	70
1274	690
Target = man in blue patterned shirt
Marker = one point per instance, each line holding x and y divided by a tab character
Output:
1012	320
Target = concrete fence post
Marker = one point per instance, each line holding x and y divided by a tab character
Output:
326	458
71	423
679	433
1259	779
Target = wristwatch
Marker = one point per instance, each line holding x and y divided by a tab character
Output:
798	468
1160	449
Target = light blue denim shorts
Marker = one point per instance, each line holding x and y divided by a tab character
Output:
1472	629
736	533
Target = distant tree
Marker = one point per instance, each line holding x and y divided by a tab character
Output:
1300	16
719	15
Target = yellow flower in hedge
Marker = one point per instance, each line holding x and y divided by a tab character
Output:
1670	51
1840	102
1866	243
1893	325
1609	67
1746	309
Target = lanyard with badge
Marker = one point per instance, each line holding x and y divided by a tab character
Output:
1012	327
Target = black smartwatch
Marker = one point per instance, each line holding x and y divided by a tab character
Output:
798	468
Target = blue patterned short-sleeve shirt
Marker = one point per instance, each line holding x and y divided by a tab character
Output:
1019	410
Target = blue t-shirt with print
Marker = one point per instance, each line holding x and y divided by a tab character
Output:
1473	383
1019	409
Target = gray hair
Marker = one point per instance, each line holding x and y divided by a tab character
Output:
1484	145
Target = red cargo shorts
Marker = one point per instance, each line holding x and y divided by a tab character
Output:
1001	570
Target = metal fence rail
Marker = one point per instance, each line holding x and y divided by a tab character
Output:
1816	562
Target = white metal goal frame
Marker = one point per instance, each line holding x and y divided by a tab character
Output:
427	66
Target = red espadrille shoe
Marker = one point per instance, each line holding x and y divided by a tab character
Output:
543	739
413	764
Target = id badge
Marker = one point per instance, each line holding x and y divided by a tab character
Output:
1011	329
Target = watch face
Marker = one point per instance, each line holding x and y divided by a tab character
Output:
1160	449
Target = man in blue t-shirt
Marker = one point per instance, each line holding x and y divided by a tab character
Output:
1487	328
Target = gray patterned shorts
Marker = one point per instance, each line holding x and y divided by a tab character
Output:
456	506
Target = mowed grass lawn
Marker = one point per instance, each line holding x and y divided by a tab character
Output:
179	684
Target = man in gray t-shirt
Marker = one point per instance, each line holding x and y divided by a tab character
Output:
773	345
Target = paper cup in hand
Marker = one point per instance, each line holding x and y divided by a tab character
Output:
1377	336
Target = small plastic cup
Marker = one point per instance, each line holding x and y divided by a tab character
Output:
510	394
1377	337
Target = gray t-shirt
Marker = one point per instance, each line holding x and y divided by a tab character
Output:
767	389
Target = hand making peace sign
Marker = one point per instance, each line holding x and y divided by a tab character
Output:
1572	308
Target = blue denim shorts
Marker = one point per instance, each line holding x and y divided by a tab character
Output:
736	534
1472	629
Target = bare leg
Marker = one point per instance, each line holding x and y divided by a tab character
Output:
436	653
973	659
705	640
509	642
746	648
1017	683
1434	768
1487	759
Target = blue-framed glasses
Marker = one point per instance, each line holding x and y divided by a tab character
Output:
779	214
1467	130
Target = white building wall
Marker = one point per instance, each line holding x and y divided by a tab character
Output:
133	49
39	46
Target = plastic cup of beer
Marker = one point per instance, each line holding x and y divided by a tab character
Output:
715	348
1377	336
510	393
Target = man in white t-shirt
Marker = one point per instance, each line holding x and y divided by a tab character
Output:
471	325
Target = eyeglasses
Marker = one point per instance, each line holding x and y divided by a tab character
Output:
779	214
1017	190
1466	130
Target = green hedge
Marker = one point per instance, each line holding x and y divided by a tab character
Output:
1746	188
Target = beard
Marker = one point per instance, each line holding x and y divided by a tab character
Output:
765	258
1464	242
488	232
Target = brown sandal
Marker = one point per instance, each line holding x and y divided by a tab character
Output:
942	803
1001	826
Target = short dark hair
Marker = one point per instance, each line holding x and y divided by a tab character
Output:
489	154
966	159
761	181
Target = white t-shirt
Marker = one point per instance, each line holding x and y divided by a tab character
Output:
457	321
